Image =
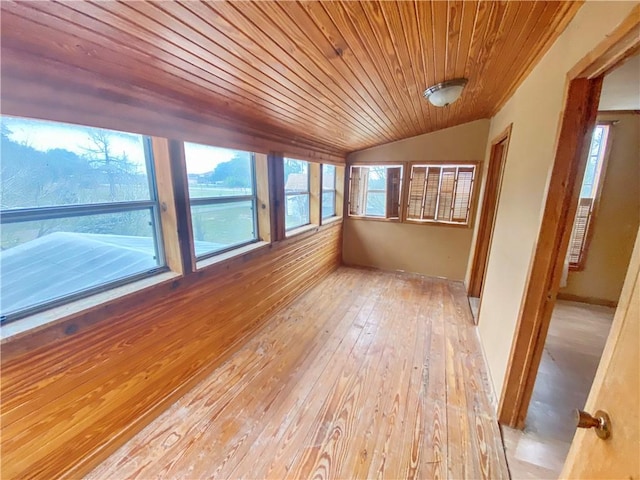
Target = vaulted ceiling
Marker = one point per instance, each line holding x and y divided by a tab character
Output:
342	76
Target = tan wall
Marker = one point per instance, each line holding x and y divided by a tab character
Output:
433	250
618	216
534	111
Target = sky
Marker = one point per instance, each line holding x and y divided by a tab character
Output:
43	135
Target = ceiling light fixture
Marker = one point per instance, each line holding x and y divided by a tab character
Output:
445	93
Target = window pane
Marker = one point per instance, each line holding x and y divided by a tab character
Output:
296	211
328	177
376	204
296	176
594	162
375	190
218	172
445	204
328	204
45	260
220	226
49	163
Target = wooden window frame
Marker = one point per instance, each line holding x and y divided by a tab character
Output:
401	187
604	159
204	201
56	212
323	219
313	177
407	192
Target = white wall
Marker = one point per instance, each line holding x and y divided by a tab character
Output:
534	110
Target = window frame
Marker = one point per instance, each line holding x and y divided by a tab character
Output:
603	156
442	165
334	190
203	201
307	193
57	212
401	186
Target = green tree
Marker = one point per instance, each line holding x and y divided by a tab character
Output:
235	173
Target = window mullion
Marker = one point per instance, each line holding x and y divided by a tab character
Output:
424	192
435	214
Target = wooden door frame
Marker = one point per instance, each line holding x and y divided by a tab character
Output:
493	185
582	93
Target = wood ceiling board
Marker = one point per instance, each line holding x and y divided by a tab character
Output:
107	104
237	71
317	62
383	35
404	42
355	28
309	65
101	60
303	94
319	25
349	75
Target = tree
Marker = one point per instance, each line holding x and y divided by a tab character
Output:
235	173
104	161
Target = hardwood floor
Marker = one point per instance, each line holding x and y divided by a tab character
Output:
572	351
369	374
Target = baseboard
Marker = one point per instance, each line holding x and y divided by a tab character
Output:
590	300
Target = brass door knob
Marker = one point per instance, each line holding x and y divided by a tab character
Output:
600	422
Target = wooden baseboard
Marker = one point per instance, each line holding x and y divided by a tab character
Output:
590	300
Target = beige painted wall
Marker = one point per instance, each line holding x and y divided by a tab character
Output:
433	250
618	216
534	110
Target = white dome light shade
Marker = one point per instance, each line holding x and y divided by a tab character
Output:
445	93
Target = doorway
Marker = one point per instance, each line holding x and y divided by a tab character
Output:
493	185
603	228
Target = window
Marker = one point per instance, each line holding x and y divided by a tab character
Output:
374	191
440	193
328	191
296	192
78	211
589	193
222	194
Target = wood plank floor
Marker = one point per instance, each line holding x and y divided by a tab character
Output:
367	375
572	351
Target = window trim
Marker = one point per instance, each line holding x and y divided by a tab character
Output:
54	212
401	198
292	230
472	198
334	191
201	201
604	156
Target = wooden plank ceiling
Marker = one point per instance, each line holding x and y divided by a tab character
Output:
341	76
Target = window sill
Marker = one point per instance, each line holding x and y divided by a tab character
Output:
207	262
328	220
297	231
40	320
438	224
374	219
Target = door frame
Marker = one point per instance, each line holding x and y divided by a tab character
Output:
493	186
582	94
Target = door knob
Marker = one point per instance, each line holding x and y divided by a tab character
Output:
600	422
